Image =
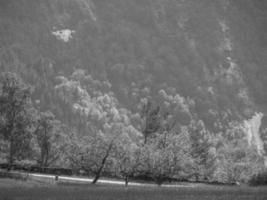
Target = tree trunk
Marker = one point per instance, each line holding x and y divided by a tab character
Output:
197	177
46	157
97	176
11	153
46	149
42	157
159	180
126	181
145	141
99	171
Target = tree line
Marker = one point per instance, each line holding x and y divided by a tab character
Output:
159	150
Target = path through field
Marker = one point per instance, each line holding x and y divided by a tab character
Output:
103	181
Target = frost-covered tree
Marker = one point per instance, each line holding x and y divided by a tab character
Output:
126	160
93	152
171	160
236	160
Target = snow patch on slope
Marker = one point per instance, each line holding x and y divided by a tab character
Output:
223	25
252	127
64	34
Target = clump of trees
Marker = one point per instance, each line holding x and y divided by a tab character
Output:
106	141
92	154
16	114
27	132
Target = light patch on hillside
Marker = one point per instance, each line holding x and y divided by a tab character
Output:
88	6
211	90
244	96
64	34
252	127
227	45
223	26
232	73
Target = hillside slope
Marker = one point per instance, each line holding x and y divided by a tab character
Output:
201	59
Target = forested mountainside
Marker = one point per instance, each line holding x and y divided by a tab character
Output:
151	65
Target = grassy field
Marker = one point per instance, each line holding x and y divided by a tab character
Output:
32	190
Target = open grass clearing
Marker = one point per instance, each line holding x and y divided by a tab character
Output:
34	190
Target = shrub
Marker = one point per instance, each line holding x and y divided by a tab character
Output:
259	179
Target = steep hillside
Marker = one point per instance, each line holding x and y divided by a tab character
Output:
196	59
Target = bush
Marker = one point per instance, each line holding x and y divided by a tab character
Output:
259	179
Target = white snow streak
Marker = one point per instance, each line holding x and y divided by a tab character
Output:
64	34
252	127
89	180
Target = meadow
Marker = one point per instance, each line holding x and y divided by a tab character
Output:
32	190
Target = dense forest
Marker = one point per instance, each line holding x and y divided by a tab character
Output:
161	89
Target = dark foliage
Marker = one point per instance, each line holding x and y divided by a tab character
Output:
259	179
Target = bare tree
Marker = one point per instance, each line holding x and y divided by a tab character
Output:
47	133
